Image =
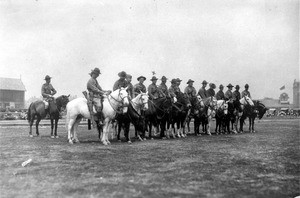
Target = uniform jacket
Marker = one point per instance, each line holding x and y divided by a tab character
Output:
93	87
173	90
153	91
210	92
163	89
202	93
228	95
130	89
120	83
190	91
220	95
47	89
137	88
236	95
246	93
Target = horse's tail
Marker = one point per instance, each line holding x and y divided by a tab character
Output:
29	113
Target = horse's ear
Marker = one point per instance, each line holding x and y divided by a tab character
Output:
126	88
147	92
68	95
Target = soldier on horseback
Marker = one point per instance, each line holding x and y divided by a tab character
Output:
129	85
173	90
153	90
236	95
202	91
139	87
163	87
228	93
47	91
190	89
121	82
246	91
220	94
95	93
211	92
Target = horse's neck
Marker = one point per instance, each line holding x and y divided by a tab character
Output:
114	100
135	105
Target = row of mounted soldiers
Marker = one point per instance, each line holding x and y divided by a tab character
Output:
156	91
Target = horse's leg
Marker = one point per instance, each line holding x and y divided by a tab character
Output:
30	125
253	124
56	123
71	130
37	125
75	129
208	125
52	126
119	127
126	131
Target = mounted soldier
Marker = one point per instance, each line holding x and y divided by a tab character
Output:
121	82
190	89
47	91
129	85
95	93
211	92
246	91
139	87
202	91
220	94
173	90
153	90
236	95
163	87
228	93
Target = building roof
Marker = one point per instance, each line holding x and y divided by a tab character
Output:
11	84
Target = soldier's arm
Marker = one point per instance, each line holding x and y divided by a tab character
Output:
43	92
53	91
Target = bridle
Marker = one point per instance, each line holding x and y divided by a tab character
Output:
119	102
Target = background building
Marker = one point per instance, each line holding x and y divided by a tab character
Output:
12	93
296	94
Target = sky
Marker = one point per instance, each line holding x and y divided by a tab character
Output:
232	41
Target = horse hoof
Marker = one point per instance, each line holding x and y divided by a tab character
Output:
70	141
119	141
105	143
108	142
31	136
129	142
56	136
145	139
152	139
52	136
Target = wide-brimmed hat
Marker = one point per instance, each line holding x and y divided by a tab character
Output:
141	77
237	86
189	81
95	71
246	86
221	86
153	78
163	78
122	74
178	80
212	85
229	85
204	82
47	77
173	81
128	76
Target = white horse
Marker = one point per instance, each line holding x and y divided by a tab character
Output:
78	109
209	105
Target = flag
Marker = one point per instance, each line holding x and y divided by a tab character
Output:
283	87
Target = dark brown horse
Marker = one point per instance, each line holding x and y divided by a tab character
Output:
258	110
37	110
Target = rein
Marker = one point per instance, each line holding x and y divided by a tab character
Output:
122	99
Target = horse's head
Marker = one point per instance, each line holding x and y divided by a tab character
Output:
62	100
121	96
142	100
222	106
261	109
246	101
184	99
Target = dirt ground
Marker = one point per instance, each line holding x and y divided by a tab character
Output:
262	164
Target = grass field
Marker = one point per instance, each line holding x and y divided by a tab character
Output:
262	164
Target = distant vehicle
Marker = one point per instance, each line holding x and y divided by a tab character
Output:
10	116
271	112
284	112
